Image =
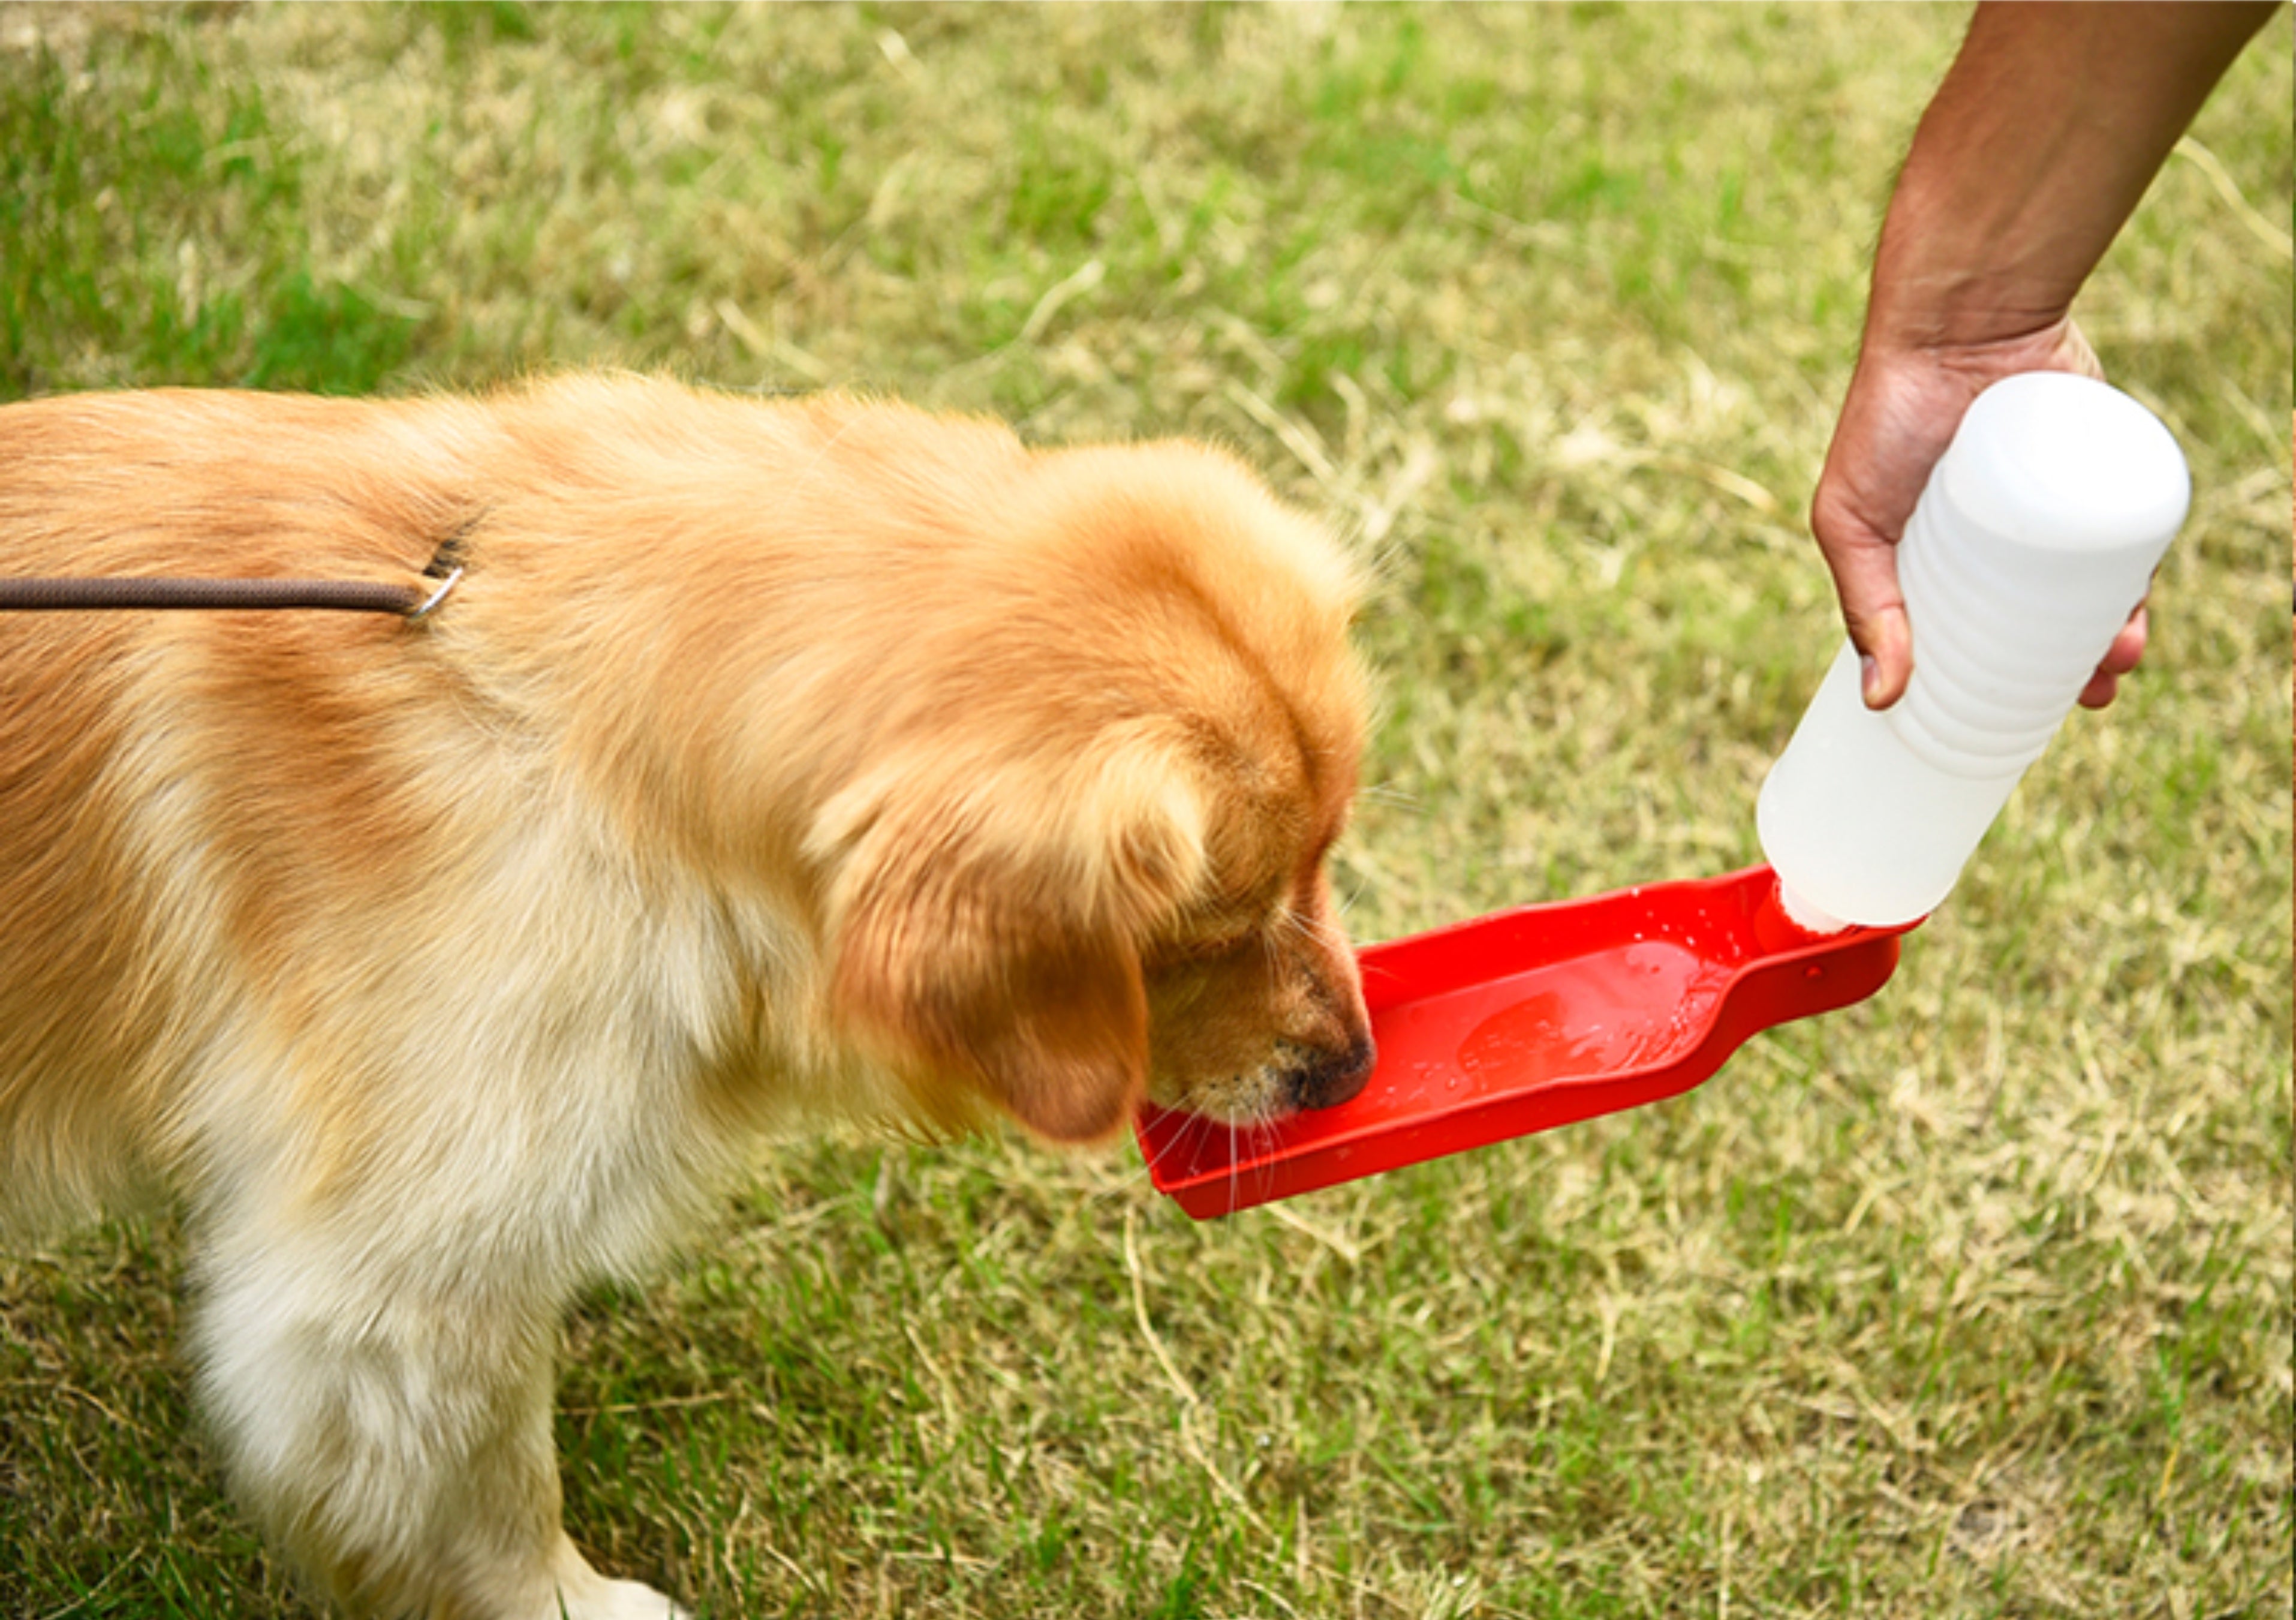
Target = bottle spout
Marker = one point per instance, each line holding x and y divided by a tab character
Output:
1803	915
1784	918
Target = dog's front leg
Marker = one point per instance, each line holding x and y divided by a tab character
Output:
394	1435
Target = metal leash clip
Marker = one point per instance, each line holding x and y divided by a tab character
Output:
435	597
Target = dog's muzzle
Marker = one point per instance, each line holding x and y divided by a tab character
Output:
1325	1079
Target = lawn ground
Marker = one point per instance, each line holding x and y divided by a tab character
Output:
1972	1300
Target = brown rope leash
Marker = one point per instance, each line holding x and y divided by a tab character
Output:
341	596
163	594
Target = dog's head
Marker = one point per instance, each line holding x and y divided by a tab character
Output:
1090	869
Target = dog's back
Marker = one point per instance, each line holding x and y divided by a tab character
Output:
265	872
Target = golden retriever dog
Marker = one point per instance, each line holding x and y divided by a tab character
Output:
771	760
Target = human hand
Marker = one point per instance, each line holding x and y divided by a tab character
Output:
1903	403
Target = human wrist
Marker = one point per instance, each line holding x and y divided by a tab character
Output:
2034	152
1955	274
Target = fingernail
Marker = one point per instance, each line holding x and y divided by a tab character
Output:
1869	676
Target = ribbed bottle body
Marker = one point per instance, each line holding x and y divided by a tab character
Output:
2036	538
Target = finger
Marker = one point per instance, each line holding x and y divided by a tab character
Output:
2128	648
2101	690
2127	651
1888	660
1864	569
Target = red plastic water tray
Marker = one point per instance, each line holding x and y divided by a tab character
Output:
1531	1018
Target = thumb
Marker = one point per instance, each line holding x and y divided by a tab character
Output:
1865	568
1884	640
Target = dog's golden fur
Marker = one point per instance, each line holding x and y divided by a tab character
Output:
772	760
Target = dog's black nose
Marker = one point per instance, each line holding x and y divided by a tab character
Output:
1330	1078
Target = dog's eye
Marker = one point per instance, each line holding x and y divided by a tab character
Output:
1221	945
1238	920
1218	937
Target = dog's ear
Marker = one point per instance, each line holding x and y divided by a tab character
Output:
986	933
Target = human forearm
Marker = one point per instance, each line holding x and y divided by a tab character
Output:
2032	155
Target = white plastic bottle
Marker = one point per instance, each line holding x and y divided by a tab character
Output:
2035	538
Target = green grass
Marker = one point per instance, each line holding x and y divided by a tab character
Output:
1972	1300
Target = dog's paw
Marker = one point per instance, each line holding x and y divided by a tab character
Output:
631	1601
579	1593
602	1599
